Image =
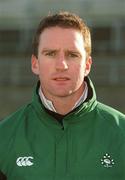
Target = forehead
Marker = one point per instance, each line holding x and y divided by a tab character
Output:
54	36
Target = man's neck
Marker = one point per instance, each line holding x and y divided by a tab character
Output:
66	104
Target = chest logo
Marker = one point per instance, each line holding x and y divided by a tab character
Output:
24	161
107	161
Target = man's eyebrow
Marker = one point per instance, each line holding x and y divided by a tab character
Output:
73	51
48	49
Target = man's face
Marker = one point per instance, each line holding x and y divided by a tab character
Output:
62	62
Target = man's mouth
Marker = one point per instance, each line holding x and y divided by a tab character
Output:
61	79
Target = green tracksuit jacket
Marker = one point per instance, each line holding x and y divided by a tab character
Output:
89	145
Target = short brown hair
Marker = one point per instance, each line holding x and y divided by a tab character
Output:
64	20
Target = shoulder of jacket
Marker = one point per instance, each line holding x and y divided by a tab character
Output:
111	115
8	125
13	116
109	111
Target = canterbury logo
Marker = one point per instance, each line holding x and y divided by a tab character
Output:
24	161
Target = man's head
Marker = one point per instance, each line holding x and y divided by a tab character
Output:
61	56
63	20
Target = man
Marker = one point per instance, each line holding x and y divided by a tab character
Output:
64	133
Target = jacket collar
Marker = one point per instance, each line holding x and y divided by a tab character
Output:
87	106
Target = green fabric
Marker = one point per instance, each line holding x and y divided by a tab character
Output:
91	145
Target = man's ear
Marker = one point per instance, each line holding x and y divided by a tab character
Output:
34	65
88	65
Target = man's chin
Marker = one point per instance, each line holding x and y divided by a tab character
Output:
63	94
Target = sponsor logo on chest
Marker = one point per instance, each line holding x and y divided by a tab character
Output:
24	161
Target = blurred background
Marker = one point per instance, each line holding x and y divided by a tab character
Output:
18	21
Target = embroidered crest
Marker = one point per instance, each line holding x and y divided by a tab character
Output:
107	161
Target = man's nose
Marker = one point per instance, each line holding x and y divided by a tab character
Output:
61	63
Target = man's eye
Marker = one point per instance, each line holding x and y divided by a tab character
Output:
73	55
51	53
